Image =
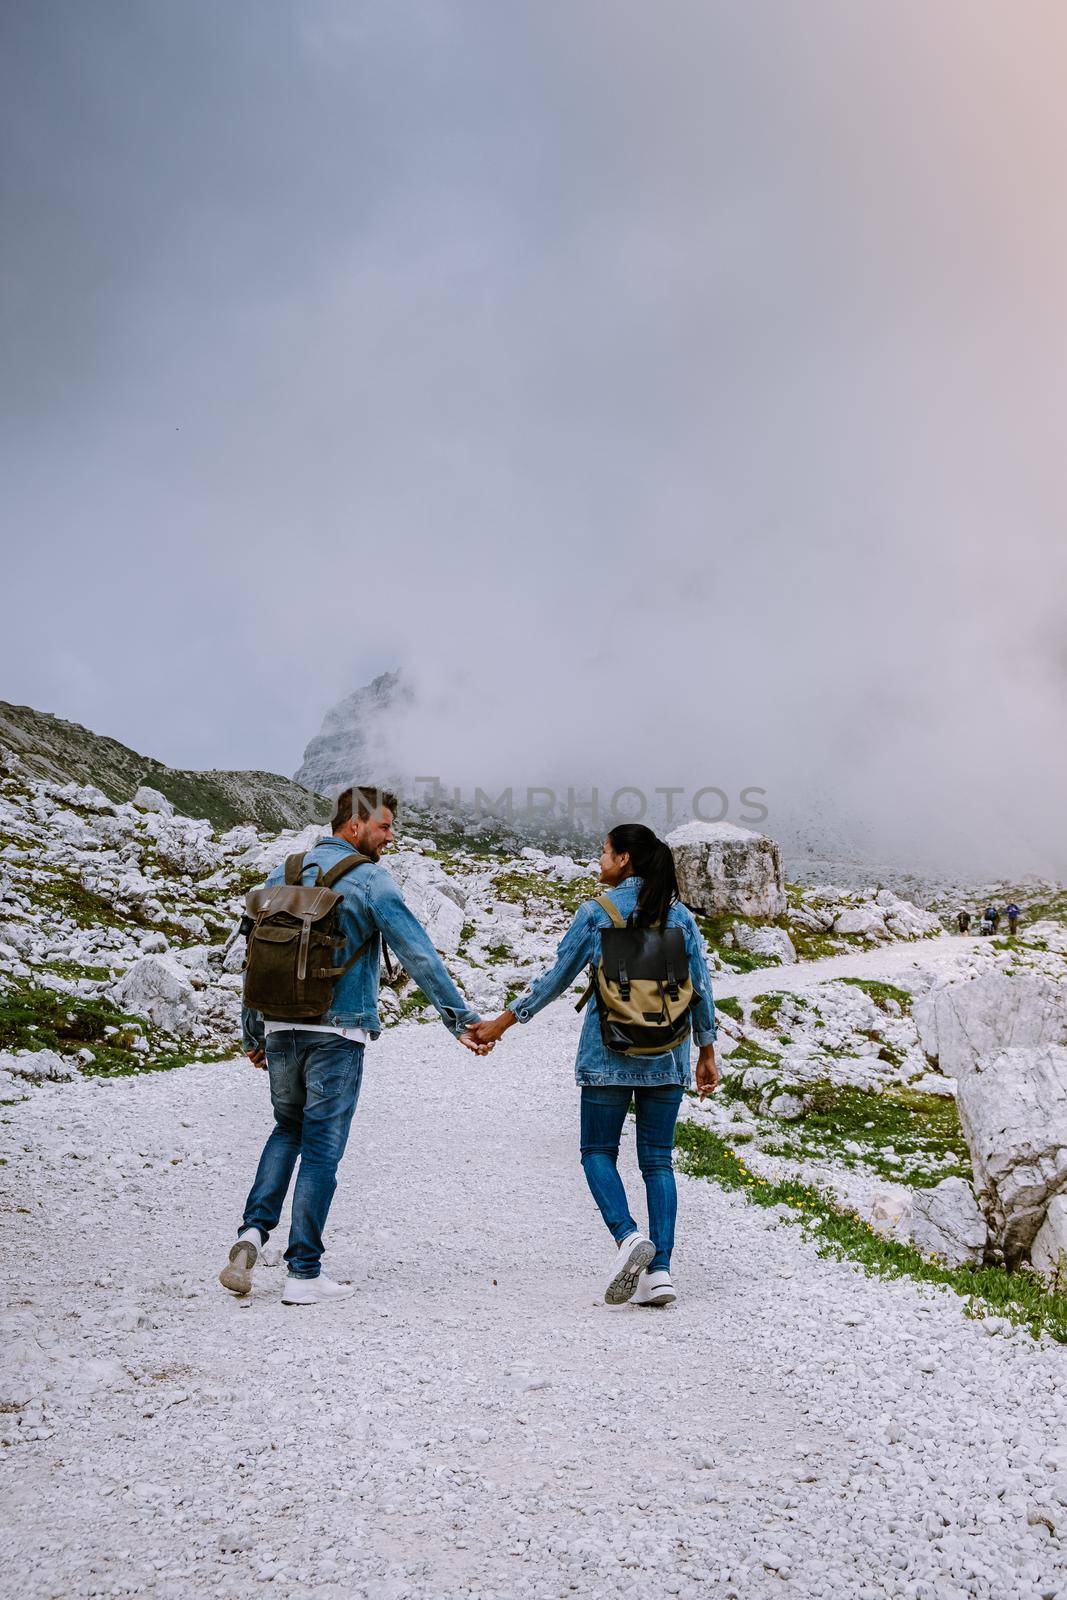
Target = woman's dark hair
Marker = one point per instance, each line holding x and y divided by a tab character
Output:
653	863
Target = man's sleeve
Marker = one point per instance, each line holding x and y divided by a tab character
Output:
575	951
405	934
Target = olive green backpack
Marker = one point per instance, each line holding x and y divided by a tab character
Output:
293	940
641	985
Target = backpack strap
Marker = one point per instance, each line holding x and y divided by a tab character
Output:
346	864
607	904
294	869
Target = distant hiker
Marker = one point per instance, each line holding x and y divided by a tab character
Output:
650	989
964	920
312	967
1012	914
992	916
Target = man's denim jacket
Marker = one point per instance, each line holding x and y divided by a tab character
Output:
580	947
372	905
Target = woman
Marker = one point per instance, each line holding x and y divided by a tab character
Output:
638	869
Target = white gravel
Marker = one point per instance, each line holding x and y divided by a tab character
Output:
474	1421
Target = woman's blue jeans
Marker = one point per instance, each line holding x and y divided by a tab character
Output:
604	1108
314	1086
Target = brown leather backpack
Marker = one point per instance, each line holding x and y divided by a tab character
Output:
293	941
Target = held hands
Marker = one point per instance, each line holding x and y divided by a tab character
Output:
467	1037
487	1033
707	1070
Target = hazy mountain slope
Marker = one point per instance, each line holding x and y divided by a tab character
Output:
349	745
65	751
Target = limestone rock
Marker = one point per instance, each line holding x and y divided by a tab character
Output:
723	869
352	745
428	899
961	1024
947	1221
861	919
787	1107
1013	1112
156	987
890	1208
147	799
1048	1253
765	942
38	1064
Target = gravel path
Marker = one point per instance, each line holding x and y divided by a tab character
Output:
475	1421
937	958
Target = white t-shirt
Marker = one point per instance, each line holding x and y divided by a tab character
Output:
355	1035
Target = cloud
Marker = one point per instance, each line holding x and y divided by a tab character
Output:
675	405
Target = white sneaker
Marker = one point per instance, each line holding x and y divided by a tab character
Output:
654	1289
314	1291
634	1255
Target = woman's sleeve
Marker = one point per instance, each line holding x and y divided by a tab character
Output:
575	952
704	1029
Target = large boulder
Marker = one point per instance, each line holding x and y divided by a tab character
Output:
156	987
1049	1251
723	869
947	1221
961	1024
765	942
147	799
1013	1112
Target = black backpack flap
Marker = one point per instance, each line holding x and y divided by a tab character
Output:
659	953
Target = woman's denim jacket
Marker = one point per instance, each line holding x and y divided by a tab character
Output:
372	905
580	947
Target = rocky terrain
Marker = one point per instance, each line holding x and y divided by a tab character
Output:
65	752
881	1183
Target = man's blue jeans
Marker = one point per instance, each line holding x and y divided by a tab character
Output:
314	1086
604	1108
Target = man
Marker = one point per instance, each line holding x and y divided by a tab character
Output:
1012	914
316	1068
963	918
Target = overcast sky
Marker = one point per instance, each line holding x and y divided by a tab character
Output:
677	393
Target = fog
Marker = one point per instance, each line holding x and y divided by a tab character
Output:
678	396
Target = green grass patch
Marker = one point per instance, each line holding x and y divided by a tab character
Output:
74	971
67	897
891	1129
730	1006
765	1008
533	888
914	1124
41	1019
881	993
1021	1297
811	946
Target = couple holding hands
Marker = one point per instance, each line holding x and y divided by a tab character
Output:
651	995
